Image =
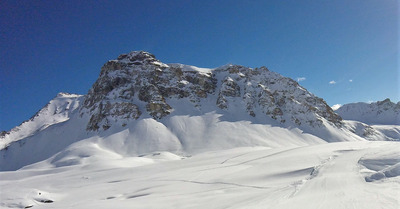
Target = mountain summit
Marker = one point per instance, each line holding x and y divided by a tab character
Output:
137	84
383	112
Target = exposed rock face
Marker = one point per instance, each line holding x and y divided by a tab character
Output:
122	110
138	83
137	78
278	97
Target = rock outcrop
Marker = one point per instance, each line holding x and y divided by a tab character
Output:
138	83
139	78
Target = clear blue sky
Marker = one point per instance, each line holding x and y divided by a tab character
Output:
48	47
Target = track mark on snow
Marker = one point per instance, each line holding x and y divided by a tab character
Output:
248	161
234	157
136	196
221	183
314	172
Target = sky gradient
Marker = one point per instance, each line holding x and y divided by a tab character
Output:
343	51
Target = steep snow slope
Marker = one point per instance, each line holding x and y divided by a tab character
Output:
56	111
180	134
382	112
333	175
390	131
373	132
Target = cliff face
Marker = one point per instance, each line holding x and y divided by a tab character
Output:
138	83
138	79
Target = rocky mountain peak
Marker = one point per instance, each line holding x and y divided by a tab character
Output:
137	84
380	112
67	95
137	57
134	58
387	104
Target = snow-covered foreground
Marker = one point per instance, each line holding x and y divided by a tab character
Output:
333	175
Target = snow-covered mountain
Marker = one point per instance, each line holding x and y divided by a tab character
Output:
137	83
151	135
374	121
382	112
139	105
56	111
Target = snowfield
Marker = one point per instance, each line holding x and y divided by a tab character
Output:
331	175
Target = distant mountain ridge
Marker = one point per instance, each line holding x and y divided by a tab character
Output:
383	112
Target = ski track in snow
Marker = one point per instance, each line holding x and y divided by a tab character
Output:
222	183
233	158
339	173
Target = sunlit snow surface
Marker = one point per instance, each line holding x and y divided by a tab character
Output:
333	175
58	110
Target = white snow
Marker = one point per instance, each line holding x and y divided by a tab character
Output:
181	133
203	71
382	166
390	131
160	64
185	82
56	111
336	106
329	175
